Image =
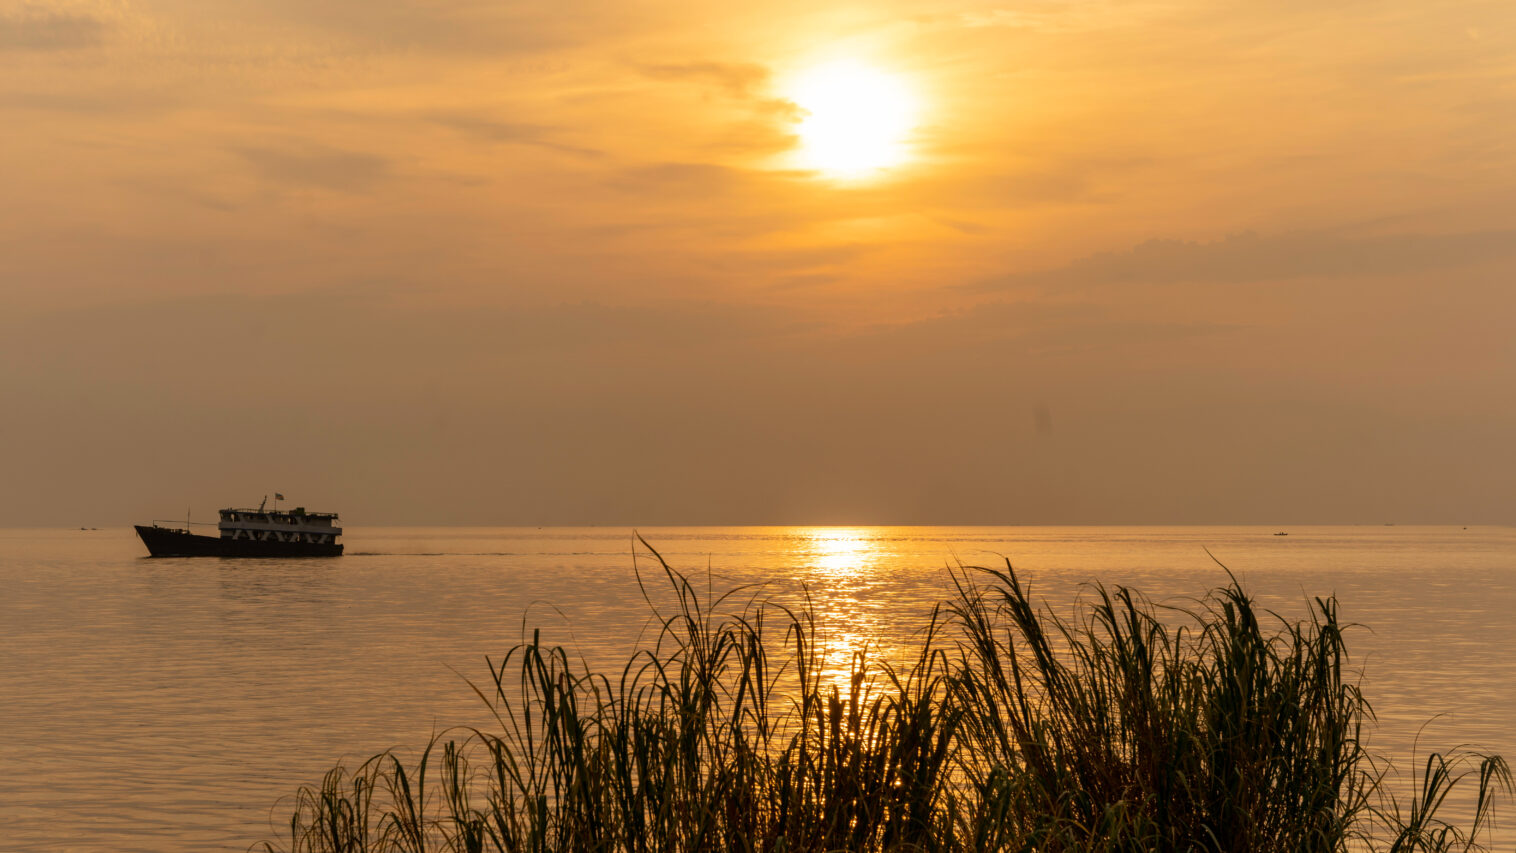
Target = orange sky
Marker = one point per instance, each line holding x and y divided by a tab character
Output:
491	262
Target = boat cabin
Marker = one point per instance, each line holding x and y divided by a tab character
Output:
294	525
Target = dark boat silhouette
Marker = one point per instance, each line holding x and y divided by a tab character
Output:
250	533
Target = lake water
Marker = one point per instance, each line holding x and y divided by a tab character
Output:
166	705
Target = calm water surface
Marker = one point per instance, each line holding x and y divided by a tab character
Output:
164	705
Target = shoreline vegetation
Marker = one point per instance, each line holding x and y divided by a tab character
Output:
1132	726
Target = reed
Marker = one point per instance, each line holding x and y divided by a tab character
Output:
1131	727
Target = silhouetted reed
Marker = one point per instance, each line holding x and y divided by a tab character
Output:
1135	727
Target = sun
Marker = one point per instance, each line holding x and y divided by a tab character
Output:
856	119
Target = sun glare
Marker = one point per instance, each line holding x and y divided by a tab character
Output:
840	551
856	119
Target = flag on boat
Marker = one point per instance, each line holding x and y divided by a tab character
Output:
278	497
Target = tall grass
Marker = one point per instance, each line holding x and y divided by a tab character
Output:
1131	727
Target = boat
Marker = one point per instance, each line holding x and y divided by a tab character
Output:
250	533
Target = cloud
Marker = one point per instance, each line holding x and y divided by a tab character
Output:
739	79
680	179
742	81
762	136
962	226
1069	333
514	133
35	29
327	168
95	103
1251	257
1050	185
1062	16
773	262
491	29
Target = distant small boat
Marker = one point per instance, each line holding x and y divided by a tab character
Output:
1281	533
250	533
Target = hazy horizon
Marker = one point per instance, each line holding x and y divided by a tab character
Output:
490	263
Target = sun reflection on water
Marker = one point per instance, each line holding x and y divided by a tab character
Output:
843	580
841	552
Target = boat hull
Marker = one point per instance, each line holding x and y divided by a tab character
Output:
169	542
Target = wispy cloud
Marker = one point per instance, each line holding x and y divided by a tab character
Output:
35	28
680	179
740	79
101	103
1251	257
743	81
315	166
513	133
1061	15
